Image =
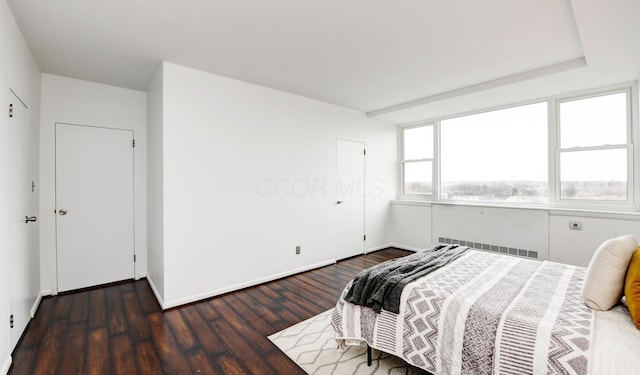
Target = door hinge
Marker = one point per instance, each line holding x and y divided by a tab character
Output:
364	237
10	110
365	152
134	258
11	321
133	142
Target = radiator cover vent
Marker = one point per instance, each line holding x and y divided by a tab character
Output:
489	247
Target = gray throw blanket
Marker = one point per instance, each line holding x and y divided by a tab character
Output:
380	287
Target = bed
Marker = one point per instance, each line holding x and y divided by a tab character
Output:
487	313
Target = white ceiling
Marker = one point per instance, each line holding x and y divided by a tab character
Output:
401	60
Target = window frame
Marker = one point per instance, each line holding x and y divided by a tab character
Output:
404	161
630	146
553	154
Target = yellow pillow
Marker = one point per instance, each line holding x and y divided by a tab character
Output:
632	287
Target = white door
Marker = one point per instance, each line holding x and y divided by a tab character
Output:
94	205
23	251
350	193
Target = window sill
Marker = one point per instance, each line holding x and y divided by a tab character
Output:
404	202
620	215
553	211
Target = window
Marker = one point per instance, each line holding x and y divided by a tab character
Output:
573	152
417	160
594	151
496	156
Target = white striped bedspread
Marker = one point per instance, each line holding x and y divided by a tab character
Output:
494	314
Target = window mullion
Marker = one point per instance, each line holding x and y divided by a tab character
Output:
635	141
552	151
437	164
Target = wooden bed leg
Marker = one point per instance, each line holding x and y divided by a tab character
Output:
369	360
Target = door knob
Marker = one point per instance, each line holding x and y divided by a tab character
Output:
339	202
62	211
27	219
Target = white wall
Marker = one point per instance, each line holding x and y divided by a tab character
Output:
411	225
232	153
18	71
155	183
85	103
543	230
577	246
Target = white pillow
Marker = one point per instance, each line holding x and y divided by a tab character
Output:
604	281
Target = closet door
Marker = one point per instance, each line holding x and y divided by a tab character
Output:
350	196
94	206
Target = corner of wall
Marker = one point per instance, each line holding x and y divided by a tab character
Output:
155	184
156	292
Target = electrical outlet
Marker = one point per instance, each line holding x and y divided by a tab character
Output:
575	225
297	249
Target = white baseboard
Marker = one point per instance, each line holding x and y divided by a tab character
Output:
376	248
232	288
408	248
47	292
6	365
36	303
155	292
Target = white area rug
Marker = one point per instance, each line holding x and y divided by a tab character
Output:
312	346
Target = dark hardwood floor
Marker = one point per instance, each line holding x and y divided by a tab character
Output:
120	329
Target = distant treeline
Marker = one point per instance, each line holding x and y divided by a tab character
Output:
525	191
